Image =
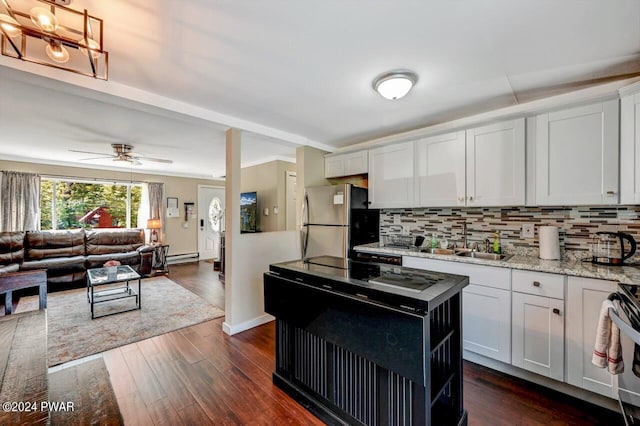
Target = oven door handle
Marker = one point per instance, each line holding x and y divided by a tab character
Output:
624	327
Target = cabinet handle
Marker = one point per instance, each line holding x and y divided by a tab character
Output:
471	198
460	198
611	193
536	283
556	311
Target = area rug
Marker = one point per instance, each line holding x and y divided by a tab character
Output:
88	387
72	334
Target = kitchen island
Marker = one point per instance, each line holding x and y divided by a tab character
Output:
368	343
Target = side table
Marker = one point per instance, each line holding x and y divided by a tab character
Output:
159	263
23	279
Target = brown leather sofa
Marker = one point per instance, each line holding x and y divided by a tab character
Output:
66	255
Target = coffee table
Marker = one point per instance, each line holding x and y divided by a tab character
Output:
122	274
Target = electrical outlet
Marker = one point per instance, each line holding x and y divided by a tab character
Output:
527	231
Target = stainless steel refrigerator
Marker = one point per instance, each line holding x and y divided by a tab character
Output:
335	219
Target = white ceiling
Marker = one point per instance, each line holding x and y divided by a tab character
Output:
301	72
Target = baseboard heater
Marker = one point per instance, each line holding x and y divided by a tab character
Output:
182	258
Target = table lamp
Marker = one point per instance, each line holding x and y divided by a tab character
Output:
153	225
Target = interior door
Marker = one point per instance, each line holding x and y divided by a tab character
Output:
210	221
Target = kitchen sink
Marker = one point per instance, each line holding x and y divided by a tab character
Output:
484	256
447	252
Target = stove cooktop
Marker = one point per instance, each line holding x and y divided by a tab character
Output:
375	273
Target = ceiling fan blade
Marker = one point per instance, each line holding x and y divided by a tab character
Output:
91	152
157	160
95	158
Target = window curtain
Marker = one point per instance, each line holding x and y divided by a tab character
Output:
19	202
156	205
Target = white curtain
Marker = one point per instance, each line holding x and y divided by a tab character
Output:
156	205
143	210
19	202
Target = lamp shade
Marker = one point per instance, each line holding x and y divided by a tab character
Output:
153	224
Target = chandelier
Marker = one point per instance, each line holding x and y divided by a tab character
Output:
47	32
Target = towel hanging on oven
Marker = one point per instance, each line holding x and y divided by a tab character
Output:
608	350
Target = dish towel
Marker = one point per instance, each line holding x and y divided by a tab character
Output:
608	351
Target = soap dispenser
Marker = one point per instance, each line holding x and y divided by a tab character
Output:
497	247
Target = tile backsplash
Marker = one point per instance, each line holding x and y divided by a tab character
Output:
577	225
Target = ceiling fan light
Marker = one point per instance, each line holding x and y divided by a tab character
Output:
94	47
57	53
44	19
395	84
10	25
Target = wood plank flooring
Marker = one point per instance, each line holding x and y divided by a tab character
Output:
201	376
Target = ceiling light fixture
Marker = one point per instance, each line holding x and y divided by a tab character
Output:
395	84
73	39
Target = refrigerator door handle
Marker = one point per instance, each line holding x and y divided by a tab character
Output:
304	229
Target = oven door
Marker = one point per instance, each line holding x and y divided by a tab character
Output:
627	318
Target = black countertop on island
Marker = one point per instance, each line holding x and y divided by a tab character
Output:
406	288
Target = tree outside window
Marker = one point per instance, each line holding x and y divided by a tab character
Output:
66	204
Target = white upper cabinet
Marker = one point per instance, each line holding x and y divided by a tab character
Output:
349	164
577	155
440	170
630	149
391	176
496	164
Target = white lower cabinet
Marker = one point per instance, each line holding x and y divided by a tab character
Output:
486	305
486	322
584	300
538	334
537	338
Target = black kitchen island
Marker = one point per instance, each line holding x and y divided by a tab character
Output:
368	343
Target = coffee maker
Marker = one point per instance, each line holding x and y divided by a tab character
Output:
609	248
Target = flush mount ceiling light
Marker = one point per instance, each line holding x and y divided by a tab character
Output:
47	32
395	84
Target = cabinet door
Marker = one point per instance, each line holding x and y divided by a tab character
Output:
486	316
538	334
355	163
496	164
577	155
628	382
584	300
391	180
629	149
333	166
440	173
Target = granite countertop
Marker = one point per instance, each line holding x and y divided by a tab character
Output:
623	274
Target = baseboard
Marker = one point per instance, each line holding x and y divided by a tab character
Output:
183	258
239	328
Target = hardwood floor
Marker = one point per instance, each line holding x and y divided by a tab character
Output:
199	376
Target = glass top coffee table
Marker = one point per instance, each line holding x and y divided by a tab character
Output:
111	276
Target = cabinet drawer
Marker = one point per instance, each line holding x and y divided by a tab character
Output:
538	283
488	276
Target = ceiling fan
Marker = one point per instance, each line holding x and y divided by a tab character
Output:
122	152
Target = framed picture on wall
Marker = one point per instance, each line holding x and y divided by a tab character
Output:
172	207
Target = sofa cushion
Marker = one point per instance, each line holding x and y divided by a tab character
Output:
105	241
56	265
11	247
53	244
13	267
131	258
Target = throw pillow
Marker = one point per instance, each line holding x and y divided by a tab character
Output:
110	263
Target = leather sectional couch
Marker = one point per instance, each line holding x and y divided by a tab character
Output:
66	255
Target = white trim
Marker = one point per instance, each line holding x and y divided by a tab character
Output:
268	160
182	258
244	326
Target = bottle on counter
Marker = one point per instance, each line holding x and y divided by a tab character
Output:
433	242
497	246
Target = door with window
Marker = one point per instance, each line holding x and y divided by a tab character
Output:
210	221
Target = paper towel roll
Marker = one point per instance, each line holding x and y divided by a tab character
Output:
549	242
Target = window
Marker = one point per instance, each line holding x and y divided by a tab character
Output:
67	204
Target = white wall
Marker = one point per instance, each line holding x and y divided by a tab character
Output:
247	255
